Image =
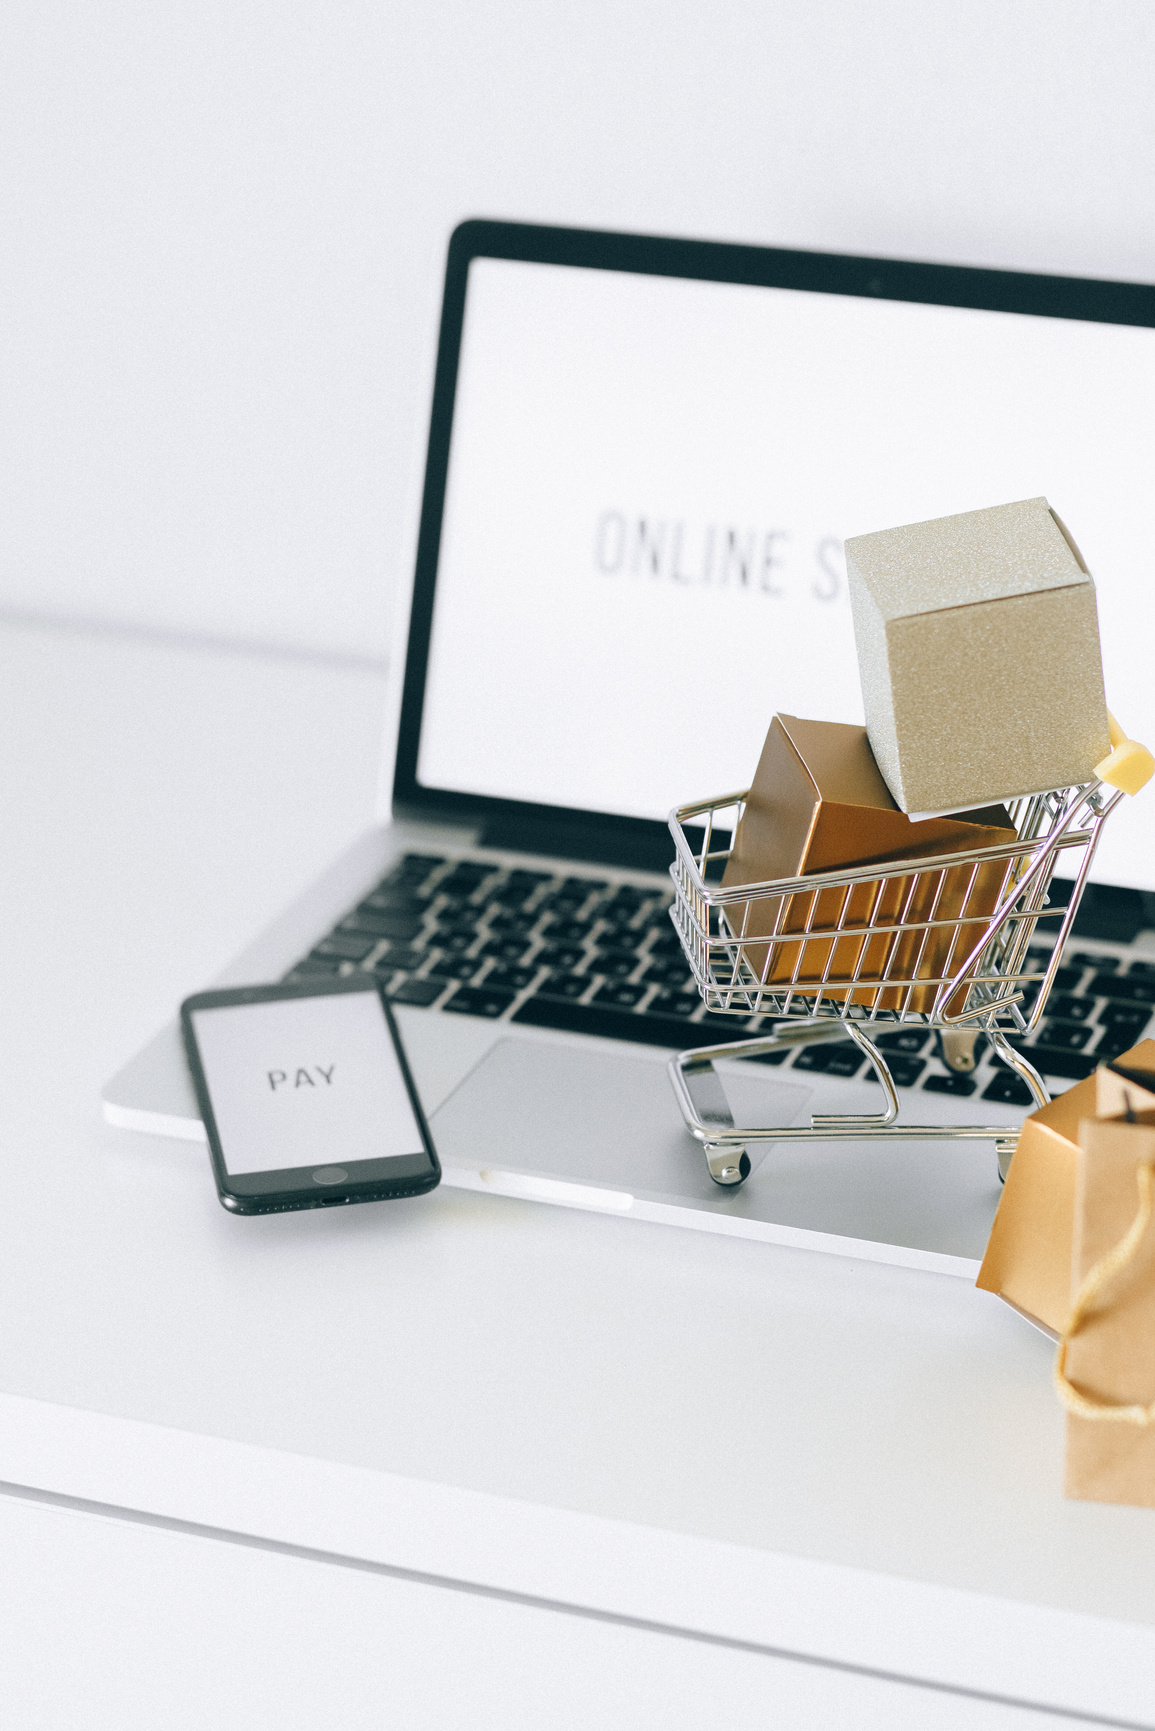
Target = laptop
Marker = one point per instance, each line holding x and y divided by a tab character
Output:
643	457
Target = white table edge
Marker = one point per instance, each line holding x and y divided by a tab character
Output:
829	1613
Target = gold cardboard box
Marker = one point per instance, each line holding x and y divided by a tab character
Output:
978	650
818	803
1028	1257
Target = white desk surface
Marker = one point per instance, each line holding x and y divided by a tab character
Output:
700	1433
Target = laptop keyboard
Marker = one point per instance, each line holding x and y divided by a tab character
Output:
584	955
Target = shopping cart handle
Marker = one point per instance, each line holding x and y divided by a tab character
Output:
1130	765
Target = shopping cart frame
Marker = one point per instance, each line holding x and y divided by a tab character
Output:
983	988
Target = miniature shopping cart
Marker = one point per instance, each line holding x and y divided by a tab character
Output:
856	953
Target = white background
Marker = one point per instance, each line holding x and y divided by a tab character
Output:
223	227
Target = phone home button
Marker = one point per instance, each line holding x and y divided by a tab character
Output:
330	1175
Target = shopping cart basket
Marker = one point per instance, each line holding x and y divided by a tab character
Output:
855	953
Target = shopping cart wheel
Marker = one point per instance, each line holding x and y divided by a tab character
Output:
726	1159
729	1166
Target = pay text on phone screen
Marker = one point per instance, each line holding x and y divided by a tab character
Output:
305	1082
650	483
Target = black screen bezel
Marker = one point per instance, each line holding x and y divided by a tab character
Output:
602	836
281	1189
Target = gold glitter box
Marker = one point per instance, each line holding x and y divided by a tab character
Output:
978	650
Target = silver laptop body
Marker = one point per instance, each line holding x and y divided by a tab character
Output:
643	455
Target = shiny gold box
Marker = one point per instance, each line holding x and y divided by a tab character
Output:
819	804
978	650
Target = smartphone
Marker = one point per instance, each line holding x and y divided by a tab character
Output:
306	1096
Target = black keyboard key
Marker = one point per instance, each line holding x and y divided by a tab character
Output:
518	888
1066	1036
505	912
912	1040
510	979
1141	968
561	957
456	920
625	997
400	956
557	931
455	968
614	964
560	906
413	867
461	907
349	946
904	1071
838	1058
628	896
465	876
1066	979
1055	1061
669	1002
1129	988
394	901
724	1024
674	973
1125	1016
382	923
952	1084
667	942
1104	964
565	901
419	993
479	1001
618	938
1113	1042
810	1058
1008	1089
315	965
506	949
505	920
563	985
1068	1009
452	943
612	1024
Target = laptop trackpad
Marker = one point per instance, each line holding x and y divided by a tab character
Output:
602	1130
594	1118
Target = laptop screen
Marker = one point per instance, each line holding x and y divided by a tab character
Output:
648	482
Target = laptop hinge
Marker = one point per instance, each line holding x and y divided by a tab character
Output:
644	848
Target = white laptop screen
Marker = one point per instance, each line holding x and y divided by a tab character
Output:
649	482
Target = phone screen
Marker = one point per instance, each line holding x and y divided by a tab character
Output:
304	1082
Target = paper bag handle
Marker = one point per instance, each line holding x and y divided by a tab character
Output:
1097	1277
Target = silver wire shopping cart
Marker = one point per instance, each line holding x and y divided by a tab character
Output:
939	943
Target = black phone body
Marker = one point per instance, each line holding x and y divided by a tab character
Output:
306	1096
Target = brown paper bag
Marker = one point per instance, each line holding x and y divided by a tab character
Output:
1028	1256
1125	1088
1105	1368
